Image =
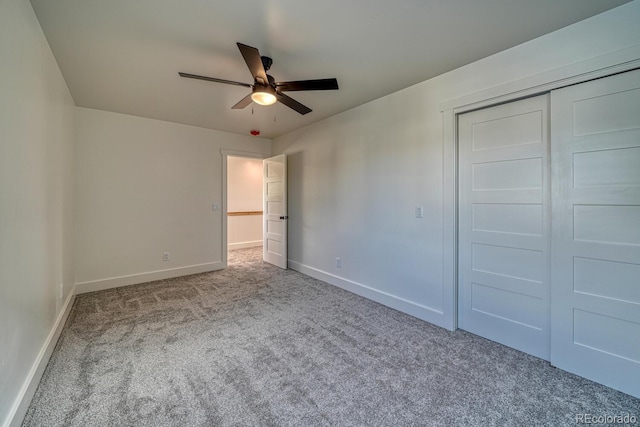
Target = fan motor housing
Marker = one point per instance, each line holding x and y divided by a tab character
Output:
272	81
266	62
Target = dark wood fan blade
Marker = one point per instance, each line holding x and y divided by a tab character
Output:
243	103
251	56
320	84
213	79
292	103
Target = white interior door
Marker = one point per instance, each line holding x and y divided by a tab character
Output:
274	197
503	258
596	230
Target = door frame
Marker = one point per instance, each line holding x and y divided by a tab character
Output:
225	155
601	66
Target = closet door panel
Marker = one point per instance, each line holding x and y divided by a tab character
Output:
503	259
595	310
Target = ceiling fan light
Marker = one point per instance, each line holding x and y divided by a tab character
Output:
263	98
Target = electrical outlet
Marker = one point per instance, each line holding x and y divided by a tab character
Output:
419	212
165	256
215	207
339	262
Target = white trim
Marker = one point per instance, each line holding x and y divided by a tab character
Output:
600	66
242	245
133	279
30	385
422	312
235	153
450	221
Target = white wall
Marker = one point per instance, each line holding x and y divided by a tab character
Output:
36	202
244	194
145	187
356	178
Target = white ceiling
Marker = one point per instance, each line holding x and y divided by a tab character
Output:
124	55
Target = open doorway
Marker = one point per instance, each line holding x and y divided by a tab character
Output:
244	203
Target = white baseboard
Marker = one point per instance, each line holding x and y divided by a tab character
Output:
411	308
21	404
134	279
242	245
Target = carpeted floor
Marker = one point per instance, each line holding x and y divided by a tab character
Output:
254	345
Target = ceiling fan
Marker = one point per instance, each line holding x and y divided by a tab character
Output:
265	90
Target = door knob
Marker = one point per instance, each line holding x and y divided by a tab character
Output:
284	217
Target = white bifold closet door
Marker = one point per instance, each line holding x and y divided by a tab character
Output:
503	246
595	323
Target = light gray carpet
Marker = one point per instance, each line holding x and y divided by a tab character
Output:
254	345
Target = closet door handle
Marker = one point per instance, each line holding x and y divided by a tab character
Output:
284	217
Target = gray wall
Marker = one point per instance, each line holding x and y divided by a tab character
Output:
145	187
36	197
356	178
